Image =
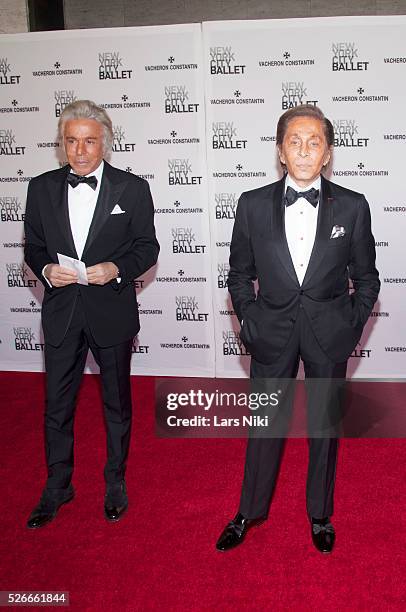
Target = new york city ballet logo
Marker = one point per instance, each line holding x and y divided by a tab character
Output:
5	77
345	58
232	344
222	275
226	205
223	61
63	97
138	348
346	134
11	209
111	66
181	173
361	353
17	276
187	309
294	93
24	340
225	136
8	145
119	146
184	241
177	100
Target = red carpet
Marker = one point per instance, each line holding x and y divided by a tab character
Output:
162	555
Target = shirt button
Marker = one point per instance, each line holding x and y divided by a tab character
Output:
301	237
301	265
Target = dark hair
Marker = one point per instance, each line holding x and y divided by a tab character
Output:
304	110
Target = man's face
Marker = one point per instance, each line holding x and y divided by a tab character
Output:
304	149
83	140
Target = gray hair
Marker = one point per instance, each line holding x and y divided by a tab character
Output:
86	109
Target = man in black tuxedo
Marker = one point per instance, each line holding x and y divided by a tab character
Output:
104	217
302	237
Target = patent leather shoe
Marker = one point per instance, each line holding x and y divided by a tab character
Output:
323	535
115	501
49	504
235	532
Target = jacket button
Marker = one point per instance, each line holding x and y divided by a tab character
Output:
301	292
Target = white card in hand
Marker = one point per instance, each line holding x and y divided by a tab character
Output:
76	265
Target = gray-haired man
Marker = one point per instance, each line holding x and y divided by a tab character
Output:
95	213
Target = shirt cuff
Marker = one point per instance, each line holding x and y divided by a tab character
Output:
45	276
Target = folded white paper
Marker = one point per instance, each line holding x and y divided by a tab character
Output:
76	265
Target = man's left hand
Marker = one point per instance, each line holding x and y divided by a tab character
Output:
102	273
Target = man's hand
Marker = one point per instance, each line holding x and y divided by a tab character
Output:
102	273
59	276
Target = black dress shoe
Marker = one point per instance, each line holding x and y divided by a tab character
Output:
115	501
235	532
323	535
49	504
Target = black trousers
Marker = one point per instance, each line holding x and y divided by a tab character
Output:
64	367
264	454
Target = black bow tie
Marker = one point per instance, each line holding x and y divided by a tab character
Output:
75	179
312	196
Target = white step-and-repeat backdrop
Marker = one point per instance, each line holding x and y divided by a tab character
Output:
194	110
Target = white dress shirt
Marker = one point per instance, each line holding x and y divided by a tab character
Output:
300	227
82	203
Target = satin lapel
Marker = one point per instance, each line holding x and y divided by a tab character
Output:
109	195
323	231
278	230
58	190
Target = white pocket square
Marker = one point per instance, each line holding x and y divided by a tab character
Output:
337	232
117	210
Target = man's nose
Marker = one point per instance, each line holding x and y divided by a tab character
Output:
304	150
80	147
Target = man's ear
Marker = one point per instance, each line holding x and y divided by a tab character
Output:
281	156
328	156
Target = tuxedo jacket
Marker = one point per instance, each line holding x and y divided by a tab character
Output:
259	250
127	239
